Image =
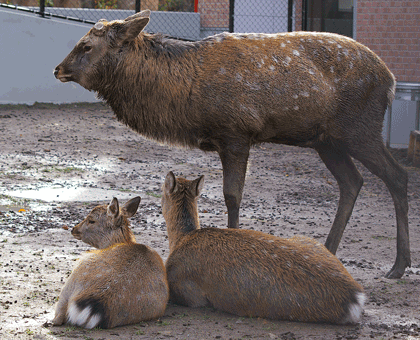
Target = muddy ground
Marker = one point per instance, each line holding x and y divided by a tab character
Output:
57	162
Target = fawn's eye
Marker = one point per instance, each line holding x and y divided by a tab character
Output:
87	48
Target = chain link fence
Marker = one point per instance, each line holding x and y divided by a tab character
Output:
184	19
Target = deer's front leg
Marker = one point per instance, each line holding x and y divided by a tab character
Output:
234	161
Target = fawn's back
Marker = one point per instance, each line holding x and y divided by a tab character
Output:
250	273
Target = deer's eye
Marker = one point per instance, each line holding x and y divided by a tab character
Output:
87	48
91	221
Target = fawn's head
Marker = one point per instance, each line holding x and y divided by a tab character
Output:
106	225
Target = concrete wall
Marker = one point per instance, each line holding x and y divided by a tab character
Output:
31	47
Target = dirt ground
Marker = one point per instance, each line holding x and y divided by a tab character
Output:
57	162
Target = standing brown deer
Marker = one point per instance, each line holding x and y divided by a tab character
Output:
122	283
228	92
249	273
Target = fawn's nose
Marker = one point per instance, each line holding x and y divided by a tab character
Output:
75	232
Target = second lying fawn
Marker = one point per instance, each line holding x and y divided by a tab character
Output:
122	283
250	273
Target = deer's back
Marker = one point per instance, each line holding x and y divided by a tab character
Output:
250	273
287	88
127	282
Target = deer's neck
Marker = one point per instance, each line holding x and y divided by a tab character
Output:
150	90
184	219
124	235
128	236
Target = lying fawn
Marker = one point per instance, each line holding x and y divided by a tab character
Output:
249	273
121	283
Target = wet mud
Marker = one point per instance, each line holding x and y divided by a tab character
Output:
59	161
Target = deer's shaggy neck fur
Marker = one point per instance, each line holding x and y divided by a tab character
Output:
149	87
182	217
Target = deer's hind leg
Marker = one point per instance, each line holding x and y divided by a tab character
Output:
187	293
60	316
349	182
380	162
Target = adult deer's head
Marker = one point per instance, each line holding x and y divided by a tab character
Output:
103	43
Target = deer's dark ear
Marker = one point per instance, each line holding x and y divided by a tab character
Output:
126	31
113	209
143	14
130	208
170	183
198	185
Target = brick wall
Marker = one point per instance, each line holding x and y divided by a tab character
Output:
214	13
391	28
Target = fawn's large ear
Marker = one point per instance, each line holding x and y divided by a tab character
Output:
113	209
198	185
170	183
130	208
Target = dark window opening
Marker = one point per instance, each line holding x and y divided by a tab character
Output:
334	16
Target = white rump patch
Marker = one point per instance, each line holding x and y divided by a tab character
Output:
77	316
82	317
355	309
94	321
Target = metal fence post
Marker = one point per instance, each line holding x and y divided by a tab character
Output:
231	10
138	5
290	16
304	15
42	8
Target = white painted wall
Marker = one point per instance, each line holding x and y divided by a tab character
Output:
30	48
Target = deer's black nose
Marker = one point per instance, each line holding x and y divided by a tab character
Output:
56	72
